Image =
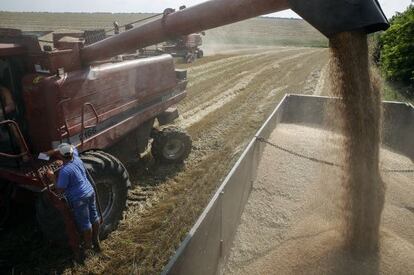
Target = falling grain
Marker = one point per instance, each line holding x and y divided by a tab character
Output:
360	115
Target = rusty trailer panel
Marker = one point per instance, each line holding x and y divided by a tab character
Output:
206	247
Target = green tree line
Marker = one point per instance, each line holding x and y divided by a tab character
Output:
395	48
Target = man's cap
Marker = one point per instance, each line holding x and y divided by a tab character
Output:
65	149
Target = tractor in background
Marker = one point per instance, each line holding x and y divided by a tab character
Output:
187	47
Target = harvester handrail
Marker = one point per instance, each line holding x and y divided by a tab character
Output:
134	22
21	139
83	127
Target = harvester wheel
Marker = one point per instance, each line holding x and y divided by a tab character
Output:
171	145
190	58
200	54
112	182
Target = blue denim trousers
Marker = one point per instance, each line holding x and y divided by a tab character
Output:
85	212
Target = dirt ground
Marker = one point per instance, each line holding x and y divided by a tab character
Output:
292	221
229	97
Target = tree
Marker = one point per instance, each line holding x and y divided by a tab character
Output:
397	47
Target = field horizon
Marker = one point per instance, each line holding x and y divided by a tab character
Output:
259	31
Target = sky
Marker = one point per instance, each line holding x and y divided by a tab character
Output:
390	7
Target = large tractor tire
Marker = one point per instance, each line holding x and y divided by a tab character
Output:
171	145
190	58
200	54
112	182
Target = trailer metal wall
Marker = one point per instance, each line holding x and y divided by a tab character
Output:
206	247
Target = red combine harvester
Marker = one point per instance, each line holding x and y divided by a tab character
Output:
52	95
81	94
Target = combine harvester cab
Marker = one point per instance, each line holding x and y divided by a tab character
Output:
206	248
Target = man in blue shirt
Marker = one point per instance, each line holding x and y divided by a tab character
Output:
73	182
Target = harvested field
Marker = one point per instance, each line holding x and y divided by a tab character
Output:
291	223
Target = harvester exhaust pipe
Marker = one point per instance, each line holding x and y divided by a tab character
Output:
328	16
